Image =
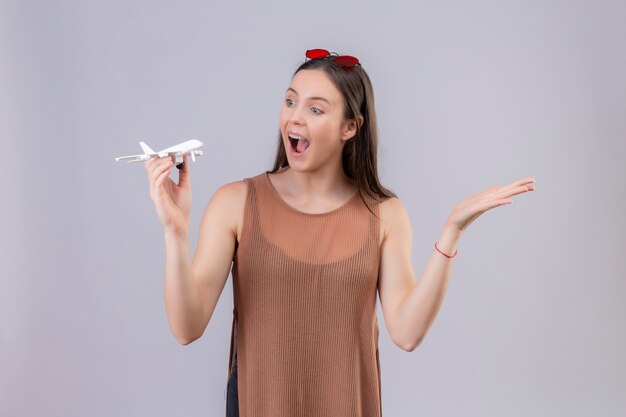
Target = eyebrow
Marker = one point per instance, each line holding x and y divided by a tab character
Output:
310	98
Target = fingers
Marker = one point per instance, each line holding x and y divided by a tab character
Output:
163	174
157	168
514	184
504	191
489	204
515	190
519	183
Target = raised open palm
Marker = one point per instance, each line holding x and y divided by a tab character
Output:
468	210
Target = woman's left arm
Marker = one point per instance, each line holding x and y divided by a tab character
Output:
411	306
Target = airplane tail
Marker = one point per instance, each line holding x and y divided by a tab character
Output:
146	148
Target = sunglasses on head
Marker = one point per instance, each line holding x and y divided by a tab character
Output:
346	61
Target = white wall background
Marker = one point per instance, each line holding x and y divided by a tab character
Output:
468	94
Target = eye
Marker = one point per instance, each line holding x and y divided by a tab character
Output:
318	110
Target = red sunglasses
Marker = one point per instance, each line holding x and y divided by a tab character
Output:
345	61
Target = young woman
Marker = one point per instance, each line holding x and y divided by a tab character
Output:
311	243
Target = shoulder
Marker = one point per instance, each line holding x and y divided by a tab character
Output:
391	209
231	193
393	215
228	204
235	193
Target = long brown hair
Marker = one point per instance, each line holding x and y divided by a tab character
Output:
359	155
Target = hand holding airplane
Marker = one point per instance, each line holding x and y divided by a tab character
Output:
176	152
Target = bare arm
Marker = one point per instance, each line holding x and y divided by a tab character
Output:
182	298
409	305
192	288
417	312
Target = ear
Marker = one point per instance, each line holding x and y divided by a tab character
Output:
350	129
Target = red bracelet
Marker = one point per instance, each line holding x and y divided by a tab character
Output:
455	252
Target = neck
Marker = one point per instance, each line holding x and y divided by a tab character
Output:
322	183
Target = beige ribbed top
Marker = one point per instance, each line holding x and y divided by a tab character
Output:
305	329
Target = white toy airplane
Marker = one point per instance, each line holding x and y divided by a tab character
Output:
176	152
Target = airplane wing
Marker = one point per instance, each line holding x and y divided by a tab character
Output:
145	156
134	158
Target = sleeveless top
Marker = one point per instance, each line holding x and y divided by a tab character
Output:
305	329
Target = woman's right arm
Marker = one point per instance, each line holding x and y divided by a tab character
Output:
192	288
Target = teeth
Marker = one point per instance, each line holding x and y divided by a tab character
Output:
295	137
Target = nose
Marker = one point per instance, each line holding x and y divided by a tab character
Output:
295	117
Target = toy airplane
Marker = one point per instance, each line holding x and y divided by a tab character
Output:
175	152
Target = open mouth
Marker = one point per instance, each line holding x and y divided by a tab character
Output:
294	143
298	146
